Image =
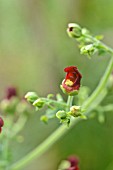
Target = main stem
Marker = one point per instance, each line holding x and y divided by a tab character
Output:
57	134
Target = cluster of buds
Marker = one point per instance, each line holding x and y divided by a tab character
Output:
71	163
12	103
40	102
33	98
70	85
13	107
65	117
88	45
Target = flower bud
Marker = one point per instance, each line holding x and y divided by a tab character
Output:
74	30
1	124
44	118
71	83
61	114
71	163
88	49
39	103
75	111
11	92
9	106
31	97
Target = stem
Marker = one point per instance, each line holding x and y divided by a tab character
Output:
17	126
94	40
101	85
69	102
57	103
62	130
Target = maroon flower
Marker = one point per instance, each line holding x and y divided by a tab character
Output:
71	83
1	124
73	163
11	92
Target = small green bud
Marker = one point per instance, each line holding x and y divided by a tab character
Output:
44	118
31	97
9	106
75	111
49	96
61	114
88	49
39	103
85	31
65	164
74	30
4	105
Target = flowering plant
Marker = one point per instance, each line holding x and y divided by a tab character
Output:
69	113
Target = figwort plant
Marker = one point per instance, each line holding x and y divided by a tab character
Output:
68	113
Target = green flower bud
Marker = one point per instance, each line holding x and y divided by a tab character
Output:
31	97
75	111
44	118
88	49
9	106
39	103
61	114
65	164
74	30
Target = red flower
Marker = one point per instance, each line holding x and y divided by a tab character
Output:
73	163
1	124
11	92
71	83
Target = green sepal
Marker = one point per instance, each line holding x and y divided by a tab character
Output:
72	93
31	97
39	103
74	30
61	114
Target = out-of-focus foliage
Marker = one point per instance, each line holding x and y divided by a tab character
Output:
34	49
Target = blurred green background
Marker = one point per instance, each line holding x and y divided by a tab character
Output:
34	50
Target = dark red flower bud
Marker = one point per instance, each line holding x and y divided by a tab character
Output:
11	92
71	83
73	163
1	124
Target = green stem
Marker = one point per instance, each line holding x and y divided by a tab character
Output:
69	102
101	85
17	126
94	40
57	103
55	136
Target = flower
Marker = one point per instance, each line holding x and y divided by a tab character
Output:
74	30
73	163
71	83
1	124
11	92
